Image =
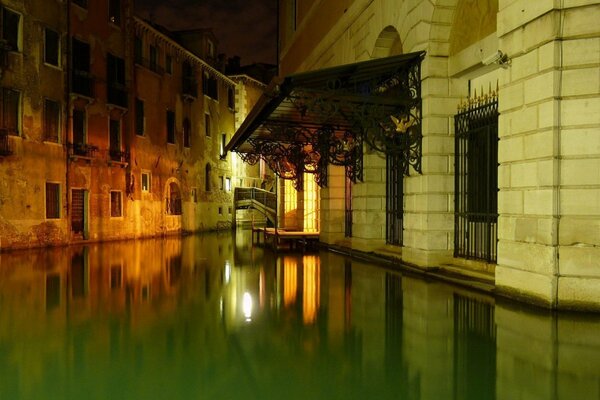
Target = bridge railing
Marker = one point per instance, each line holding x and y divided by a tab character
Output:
267	199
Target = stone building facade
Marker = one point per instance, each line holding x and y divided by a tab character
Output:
536	65
111	127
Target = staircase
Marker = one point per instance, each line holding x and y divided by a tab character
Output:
257	199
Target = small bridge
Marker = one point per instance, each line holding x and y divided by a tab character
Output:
258	199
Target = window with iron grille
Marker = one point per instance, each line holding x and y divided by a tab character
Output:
223	143
171	127
11	22
394	199
51	47
51	120
476	181
116	205
52	200
9	116
348	207
139	117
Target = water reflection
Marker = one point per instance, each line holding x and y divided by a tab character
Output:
212	317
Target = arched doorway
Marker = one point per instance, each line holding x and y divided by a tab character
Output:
173	204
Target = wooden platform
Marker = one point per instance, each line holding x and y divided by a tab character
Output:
278	238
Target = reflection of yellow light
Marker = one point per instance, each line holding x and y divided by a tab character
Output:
227	272
311	293
311	204
247	306
289	280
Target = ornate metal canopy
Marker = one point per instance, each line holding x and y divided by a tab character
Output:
307	121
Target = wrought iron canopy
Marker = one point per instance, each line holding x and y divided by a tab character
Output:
306	121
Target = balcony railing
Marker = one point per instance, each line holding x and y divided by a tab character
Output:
189	86
5	147
120	156
117	94
82	150
82	83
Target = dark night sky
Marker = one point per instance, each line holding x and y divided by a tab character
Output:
247	28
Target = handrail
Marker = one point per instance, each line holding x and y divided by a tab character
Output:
267	199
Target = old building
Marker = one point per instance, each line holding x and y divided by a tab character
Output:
485	167
184	116
33	191
111	127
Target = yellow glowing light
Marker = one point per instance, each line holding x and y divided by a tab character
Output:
247	306
290	284
311	204
312	287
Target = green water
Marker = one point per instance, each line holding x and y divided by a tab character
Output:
210	317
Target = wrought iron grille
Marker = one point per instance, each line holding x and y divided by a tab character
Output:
394	199
476	179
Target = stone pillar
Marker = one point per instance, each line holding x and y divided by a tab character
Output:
548	154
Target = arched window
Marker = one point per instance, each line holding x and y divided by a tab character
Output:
173	200
207	185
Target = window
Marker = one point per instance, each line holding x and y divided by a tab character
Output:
52	200
221	183
114	138
145	181
81	79
138	50
209	86
210	48
187	126
115	76
139	117
11	22
194	195
189	86
207	185
228	184
79	131
207	124
220	210
174	200
51	120
116	209
153	58
114	11
81	3
9	117
231	98
171	127
51	47
169	64
223	144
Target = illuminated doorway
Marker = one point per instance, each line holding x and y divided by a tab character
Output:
312	210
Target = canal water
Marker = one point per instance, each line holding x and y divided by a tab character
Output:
211	317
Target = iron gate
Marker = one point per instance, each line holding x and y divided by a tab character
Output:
394	199
476	180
